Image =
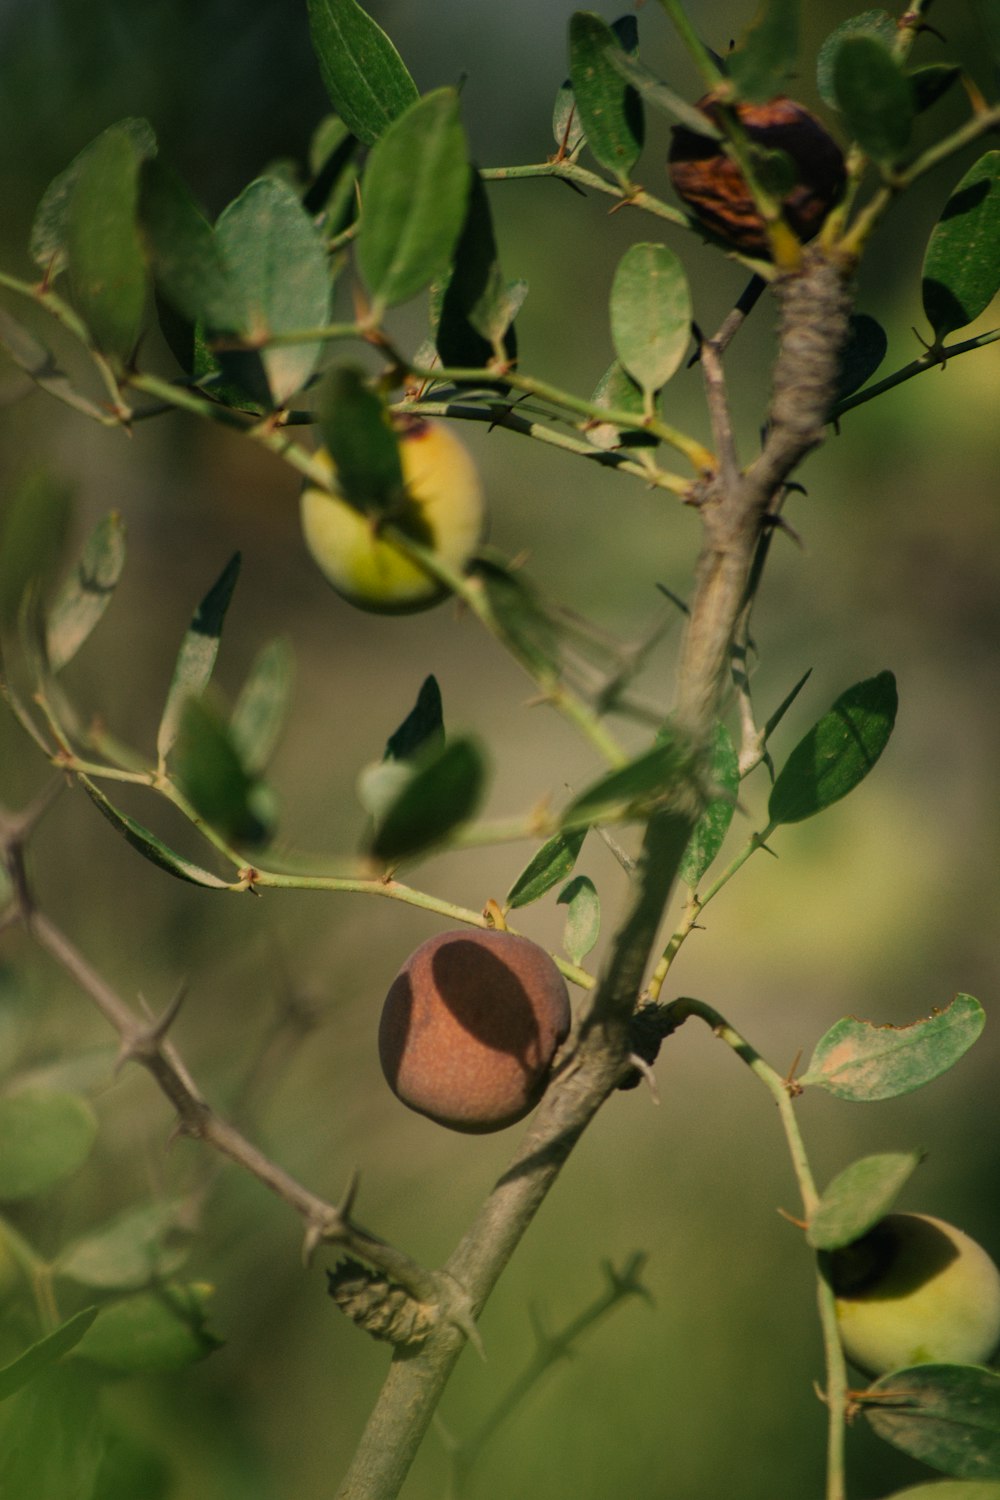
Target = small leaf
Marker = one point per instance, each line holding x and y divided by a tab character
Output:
196	658
933	82
618	391
837	753
262	706
149	845
423	727
950	1489
713	825
764	60
207	768
650	315
359	436
413	193
188	264
637	790
583	919
444	790
520	619
44	1138
610	110
861	355
364	75
567	127
38	512
47	245
547	866
128	1252
961	271
151	1331
873	23
858	1197
107	267
52	1438
860	1061
45	1352
947	1416
875	97
87	592
476	306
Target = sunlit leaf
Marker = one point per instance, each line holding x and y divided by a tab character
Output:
858	1060
858	1197
610	110
765	57
961	272
87	592
947	1416
197	655
837	753
359	436
547	866
365	77
44	1138
713	825
618	391
444	791
650	314
875	97
583	918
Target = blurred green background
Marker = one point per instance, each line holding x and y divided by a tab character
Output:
883	907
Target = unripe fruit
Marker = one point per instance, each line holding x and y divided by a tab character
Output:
470	1026
715	191
443	510
915	1290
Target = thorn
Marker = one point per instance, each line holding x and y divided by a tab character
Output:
767	850
789	1078
792	1219
346	1205
642	1066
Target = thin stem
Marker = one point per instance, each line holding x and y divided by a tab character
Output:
703	60
929	360
570	171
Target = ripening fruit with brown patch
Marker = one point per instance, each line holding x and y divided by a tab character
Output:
915	1290
470	1026
712	186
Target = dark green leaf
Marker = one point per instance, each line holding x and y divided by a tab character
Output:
381	784
858	1197
87	592
961	272
151	1331
618	391
610	110
196	658
423	727
987	14
44	1138
520	619
785	704
862	354
129	1252
262	706
188	264
860	1061
873	23
875	97
713	825
547	866
359	436
43	1354
49	229
650	314
413	194
950	1489
476	305
206	767
444	790
52	1438
149	845
637	790
765	58
567	126
947	1416
333	159
107	267
31	539
364	75
278	265
583	919
932	82
837	753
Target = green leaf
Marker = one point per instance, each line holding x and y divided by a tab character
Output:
149	845
637	790
520	620
951	1489
45	1352
477	306
38	511
188	264
933	82
159	1330
44	1138
961	272
659	96
583	919
547	866
871	23
837	753
207	768
610	110
357	431
861	355
650	315
413	193
860	1061
197	655
947	1416
875	97
262	706
364	75
47	244
107	267
713	825
858	1197
422	729
278	266
87	592
617	390
130	1468
443	791
52	1438
567	126
765	58
128	1252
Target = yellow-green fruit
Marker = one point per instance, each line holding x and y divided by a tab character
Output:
443	510
915	1291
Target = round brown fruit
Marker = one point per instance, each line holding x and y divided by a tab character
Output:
712	186
470	1026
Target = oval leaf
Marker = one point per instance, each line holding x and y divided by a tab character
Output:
359	436
128	1252
148	845
837	753
442	792
766	55
933	82
87	592
650	315
961	271
52	1436
874	23
364	75
207	769
713	825
875	97
44	1138
49	229
189	267
947	1416
583	919
858	1197
861	355
157	1330
262	706
617	390
610	110
196	658
107	267
860	1061
547	866
413	195
45	1352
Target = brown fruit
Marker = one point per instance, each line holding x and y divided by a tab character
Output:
715	191
470	1026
